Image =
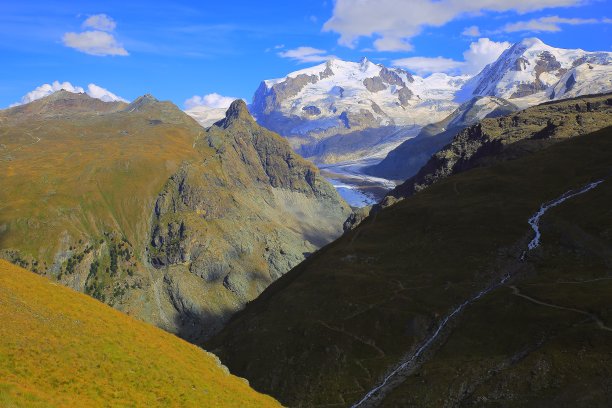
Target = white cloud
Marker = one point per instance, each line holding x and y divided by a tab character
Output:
100	22
213	100
426	65
94	43
481	52
105	95
93	90
472	31
99	41
306	54
394	22
550	23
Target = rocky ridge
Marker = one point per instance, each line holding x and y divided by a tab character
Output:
509	137
406	159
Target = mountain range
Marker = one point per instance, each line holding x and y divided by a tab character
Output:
345	111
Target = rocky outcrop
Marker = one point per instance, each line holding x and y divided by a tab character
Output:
374	84
509	137
239	221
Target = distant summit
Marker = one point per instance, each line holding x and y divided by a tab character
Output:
531	72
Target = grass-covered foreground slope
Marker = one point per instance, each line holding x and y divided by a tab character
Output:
61	348
332	328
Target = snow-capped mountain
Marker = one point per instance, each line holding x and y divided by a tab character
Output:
531	72
341	97
342	110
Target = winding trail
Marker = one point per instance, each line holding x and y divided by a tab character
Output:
534	222
597	320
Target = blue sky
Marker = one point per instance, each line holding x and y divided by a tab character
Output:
175	50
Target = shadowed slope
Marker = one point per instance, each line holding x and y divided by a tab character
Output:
330	329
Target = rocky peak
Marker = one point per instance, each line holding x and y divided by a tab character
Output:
141	102
236	113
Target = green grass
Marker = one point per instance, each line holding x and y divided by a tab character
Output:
59	348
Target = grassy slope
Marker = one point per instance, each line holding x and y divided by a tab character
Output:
62	348
100	180
508	350
328	330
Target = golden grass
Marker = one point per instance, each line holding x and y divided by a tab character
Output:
60	348
85	176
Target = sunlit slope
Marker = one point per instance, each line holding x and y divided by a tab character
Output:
61	348
79	174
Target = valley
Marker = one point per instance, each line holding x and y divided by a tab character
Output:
422	231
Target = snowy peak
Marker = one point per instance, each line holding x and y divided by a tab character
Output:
531	70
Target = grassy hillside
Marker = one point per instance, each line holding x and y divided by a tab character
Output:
329	330
145	210
59	348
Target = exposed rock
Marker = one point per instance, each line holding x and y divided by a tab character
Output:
404	95
392	78
312	110
374	84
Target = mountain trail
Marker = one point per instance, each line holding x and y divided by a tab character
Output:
597	320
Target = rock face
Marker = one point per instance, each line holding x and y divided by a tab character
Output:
315	107
243	218
407	159
334	327
140	207
509	137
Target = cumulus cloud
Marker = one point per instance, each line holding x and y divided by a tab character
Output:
100	41
550	23
96	43
93	90
306	54
482	52
213	100
472	31
393	23
100	22
475	58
